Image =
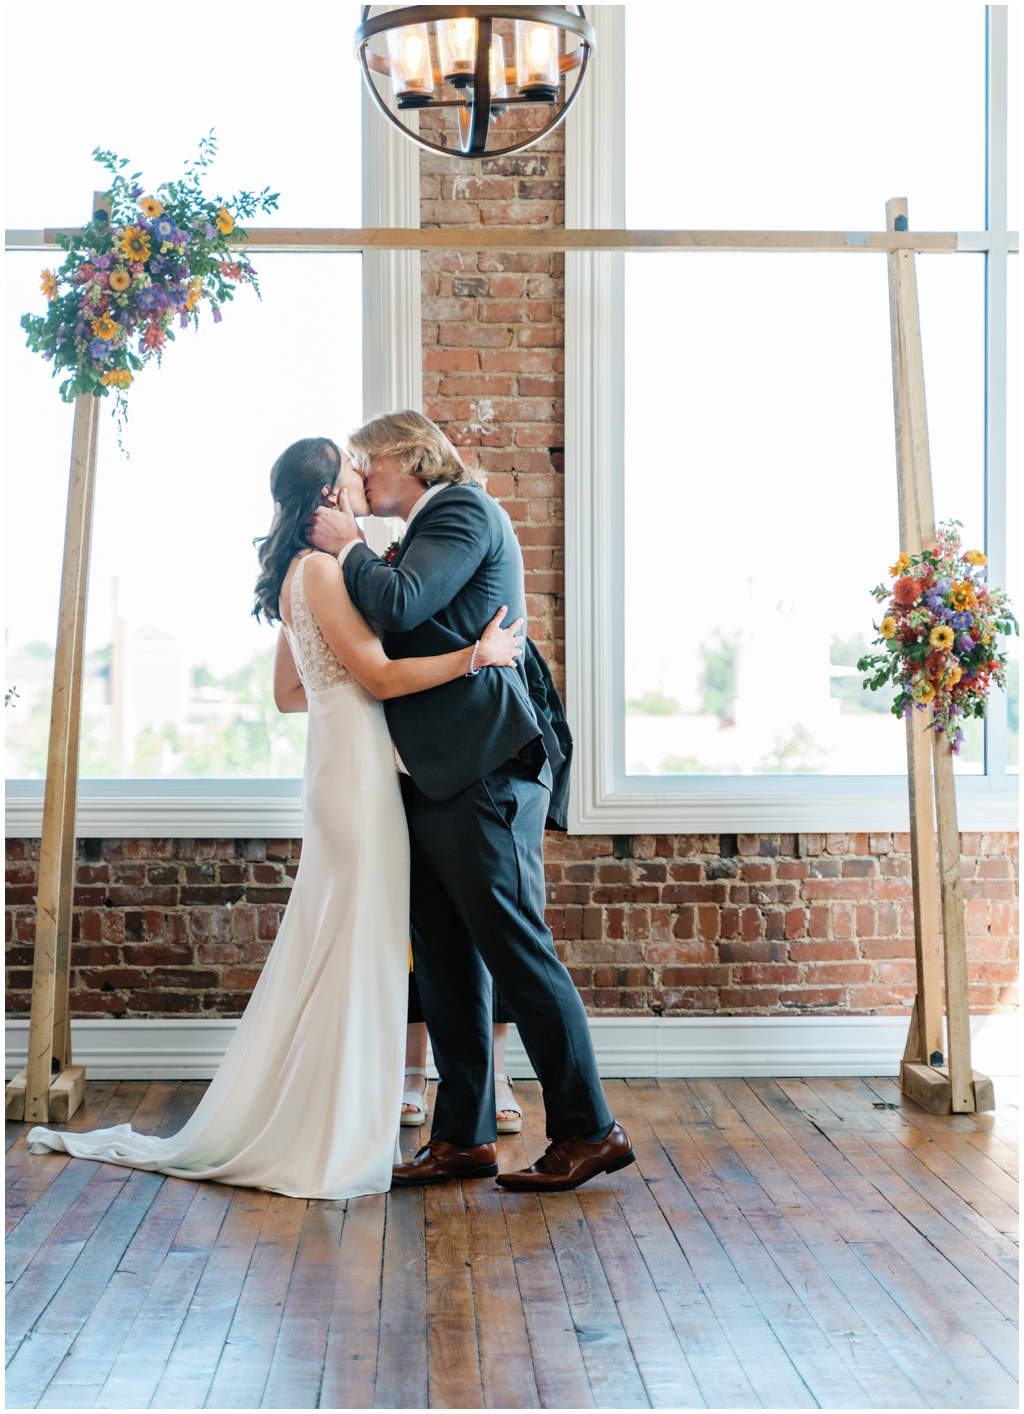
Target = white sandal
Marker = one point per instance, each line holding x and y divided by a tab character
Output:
508	1126
413	1097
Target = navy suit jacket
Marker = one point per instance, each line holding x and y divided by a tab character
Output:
459	562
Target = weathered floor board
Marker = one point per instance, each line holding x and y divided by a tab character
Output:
779	1244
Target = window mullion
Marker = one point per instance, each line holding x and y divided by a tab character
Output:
996	346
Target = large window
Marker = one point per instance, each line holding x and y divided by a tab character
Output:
177	671
749	496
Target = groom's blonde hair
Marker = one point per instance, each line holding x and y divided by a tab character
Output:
425	451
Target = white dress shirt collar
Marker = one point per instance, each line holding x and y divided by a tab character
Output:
434	490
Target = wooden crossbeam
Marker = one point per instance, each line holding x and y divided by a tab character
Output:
556	238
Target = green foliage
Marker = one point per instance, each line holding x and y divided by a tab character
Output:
653	704
717	680
684	766
795	753
854	696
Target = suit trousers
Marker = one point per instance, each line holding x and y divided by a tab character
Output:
478	912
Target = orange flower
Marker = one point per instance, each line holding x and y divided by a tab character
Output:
48	284
152	207
119	280
117	378
104	327
962	595
903	563
225	222
906	591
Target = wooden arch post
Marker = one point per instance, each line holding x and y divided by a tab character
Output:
951	1087
50	1088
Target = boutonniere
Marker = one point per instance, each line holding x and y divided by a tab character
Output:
391	552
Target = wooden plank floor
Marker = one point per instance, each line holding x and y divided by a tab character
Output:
780	1244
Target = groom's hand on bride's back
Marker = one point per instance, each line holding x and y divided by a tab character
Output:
331	530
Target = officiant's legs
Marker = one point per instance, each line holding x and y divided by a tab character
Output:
478	907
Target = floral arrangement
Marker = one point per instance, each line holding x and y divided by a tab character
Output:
125	282
391	553
938	634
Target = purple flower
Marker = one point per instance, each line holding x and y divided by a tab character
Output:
183	317
137	192
47	355
217	316
79	329
933	600
165	230
103	262
209	232
152	300
965	643
177	295
962	620
98	348
942	586
159	265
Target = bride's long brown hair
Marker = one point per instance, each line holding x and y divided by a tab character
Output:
297	481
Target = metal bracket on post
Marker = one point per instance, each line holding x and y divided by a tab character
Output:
937	1088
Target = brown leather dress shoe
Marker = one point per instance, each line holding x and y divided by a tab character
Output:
566	1163
437	1162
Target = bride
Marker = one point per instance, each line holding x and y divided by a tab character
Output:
307	1098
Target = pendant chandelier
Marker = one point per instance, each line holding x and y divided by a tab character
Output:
476	62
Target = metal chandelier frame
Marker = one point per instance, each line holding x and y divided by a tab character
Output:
474	109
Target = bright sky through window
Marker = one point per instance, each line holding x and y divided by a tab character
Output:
173	563
760	463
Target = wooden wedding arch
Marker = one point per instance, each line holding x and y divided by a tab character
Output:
51	1087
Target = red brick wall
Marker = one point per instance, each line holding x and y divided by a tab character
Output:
673	925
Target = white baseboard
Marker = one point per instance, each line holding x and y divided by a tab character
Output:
627	1047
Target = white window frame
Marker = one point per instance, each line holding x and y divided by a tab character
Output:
392	377
603	799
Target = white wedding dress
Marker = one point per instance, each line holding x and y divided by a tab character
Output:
307	1099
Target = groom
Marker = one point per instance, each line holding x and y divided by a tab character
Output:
475	781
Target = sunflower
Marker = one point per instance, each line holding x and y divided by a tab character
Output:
955	674
961	595
104	327
135	244
117	378
225	221
48	284
924	692
119	280
903	563
975	557
152	207
941	637
887	628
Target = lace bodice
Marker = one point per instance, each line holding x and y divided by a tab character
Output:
315	659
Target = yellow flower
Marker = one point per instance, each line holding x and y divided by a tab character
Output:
195	294
975	557
941	636
962	595
104	327
48	284
924	692
954	676
225	221
152	207
117	378
887	628
135	243
119	280
903	563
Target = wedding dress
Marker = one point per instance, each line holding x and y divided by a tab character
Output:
307	1098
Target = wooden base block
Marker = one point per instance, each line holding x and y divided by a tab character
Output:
928	1086
66	1093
